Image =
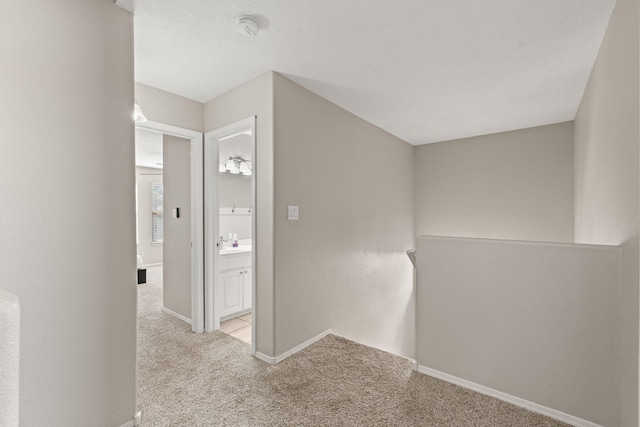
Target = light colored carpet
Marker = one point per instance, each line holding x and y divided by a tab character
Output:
187	379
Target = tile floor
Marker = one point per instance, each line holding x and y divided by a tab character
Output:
238	327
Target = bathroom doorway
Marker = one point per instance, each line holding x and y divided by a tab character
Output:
230	177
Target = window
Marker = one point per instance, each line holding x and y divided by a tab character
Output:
157	221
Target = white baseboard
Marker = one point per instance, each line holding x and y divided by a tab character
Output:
137	419
533	407
234	315
269	359
277	359
179	316
299	347
409	359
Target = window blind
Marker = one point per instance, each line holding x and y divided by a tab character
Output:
157	218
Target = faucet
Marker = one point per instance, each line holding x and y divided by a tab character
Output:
222	241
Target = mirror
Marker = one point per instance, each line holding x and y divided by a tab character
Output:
234	186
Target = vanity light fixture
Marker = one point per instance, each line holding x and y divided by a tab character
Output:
138	115
236	165
244	168
230	165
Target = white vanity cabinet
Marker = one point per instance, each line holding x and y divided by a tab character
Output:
235	283
246	291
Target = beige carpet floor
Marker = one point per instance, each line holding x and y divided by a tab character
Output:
187	379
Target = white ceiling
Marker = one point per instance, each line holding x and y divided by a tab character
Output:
423	70
148	148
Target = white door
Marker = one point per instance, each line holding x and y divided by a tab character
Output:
177	226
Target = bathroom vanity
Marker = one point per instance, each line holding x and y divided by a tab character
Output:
235	281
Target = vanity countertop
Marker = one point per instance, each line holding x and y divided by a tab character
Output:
238	250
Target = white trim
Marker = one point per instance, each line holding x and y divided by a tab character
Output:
197	235
275	360
533	407
302	346
524	242
211	227
269	359
254	235
413	362
169	129
236	314
137	419
174	314
197	217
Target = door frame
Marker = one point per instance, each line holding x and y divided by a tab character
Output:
197	217
211	224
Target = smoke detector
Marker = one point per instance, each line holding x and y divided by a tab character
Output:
248	25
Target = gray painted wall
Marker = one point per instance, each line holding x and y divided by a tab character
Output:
68	231
89	305
234	190
607	177
342	265
513	185
534	320
168	108
176	268
255	98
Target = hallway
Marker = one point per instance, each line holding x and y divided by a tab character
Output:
187	379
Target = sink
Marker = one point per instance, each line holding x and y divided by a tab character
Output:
238	250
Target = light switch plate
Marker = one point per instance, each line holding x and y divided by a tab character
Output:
293	213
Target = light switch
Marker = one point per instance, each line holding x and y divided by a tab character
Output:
294	211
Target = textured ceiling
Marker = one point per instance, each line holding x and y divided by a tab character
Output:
423	70
148	148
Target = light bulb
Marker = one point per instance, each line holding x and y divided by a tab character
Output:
138	115
244	167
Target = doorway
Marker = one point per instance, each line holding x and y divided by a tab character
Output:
230	228
191	208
